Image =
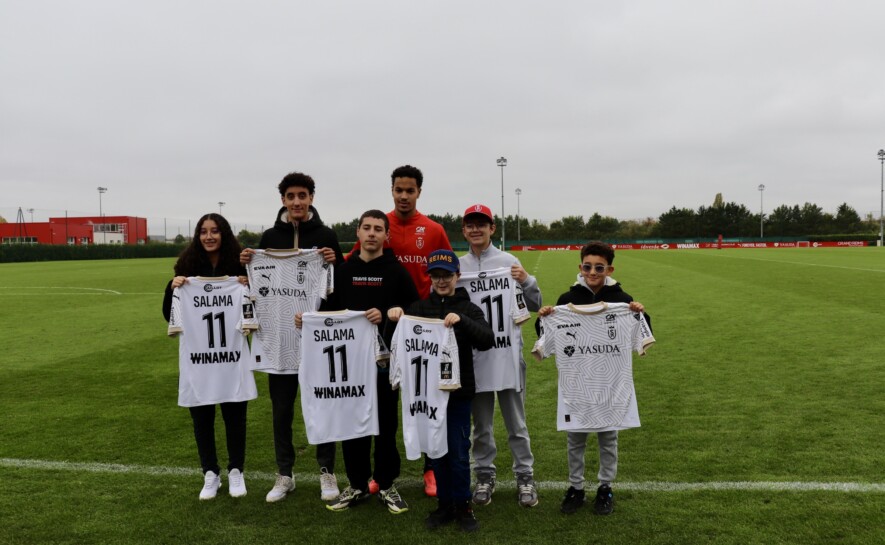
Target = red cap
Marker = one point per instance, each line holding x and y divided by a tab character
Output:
480	209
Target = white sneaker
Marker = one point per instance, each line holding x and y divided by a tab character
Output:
328	486
283	486
236	483
211	483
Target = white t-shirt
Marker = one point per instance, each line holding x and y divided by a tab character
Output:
338	376
211	317
500	298
594	347
424	365
282	284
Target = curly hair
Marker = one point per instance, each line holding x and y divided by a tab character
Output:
297	179
407	171
194	258
598	248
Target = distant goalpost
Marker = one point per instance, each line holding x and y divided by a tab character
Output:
803	244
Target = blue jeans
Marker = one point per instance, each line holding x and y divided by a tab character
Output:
453	470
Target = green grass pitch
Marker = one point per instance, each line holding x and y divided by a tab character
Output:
762	407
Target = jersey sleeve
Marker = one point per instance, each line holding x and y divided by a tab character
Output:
248	321
642	337
518	309
449	366
396	370
175	322
545	344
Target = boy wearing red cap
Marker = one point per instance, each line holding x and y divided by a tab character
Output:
501	370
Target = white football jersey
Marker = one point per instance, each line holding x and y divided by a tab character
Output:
211	316
594	347
338	376
424	366
282	284
500	298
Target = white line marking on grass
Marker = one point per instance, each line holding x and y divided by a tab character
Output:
643	486
723	256
103	291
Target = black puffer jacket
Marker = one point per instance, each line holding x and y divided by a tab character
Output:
311	234
473	331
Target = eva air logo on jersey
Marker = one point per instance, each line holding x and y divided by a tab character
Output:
418	329
569	351
208	288
483	274
329	322
263	290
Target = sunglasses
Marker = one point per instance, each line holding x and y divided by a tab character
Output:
588	268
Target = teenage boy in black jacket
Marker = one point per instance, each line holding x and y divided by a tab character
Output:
297	225
452	304
374	280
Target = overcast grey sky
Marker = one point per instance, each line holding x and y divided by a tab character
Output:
621	108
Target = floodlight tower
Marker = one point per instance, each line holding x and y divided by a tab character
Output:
882	199
101	191
518	234
502	162
761	189
220	204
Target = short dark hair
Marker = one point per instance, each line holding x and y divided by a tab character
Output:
597	247
297	179
407	171
378	215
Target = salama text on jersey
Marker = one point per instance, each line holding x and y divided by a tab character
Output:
501	300
594	347
424	365
282	284
338	375
211	315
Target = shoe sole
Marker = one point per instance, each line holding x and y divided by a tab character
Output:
529	505
281	498
232	495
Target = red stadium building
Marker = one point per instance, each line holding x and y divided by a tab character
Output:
77	231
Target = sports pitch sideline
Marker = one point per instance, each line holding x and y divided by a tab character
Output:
761	405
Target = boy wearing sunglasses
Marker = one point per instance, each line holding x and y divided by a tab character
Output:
594	285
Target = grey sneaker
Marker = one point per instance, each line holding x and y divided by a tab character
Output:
350	496
283	485
485	487
526	490
328	486
394	502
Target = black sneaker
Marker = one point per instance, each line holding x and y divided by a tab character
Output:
605	500
574	500
443	515
465	518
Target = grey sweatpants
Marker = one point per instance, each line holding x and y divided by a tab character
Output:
513	411
608	457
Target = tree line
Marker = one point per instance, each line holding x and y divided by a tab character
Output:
729	219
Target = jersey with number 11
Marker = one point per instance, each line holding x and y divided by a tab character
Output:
210	316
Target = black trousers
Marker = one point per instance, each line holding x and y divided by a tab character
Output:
357	452
234	415
283	391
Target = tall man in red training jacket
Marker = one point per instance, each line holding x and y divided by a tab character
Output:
412	237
